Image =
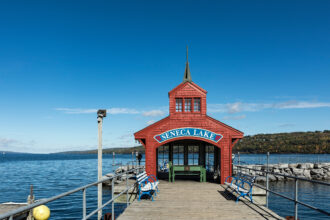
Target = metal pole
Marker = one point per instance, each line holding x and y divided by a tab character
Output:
99	159
132	158
100	115
136	156
84	203
127	188
238	159
267	180
113	202
296	199
239	162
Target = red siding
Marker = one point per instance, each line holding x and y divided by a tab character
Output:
191	119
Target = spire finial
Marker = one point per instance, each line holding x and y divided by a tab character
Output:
187	76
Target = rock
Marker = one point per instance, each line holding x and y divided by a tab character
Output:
121	169
260	179
109	174
257	167
264	167
326	168
276	171
288	172
283	165
271	178
292	165
309	165
317	166
307	174
297	172
301	166
316	172
317	177
327	176
280	178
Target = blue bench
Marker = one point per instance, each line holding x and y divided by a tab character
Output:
147	185
241	184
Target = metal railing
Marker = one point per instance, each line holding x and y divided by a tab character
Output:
85	216
296	179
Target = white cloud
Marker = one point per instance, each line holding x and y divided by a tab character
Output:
153	113
76	110
253	107
112	111
115	111
7	144
150	122
238	117
296	104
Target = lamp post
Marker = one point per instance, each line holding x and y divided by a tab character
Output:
102	113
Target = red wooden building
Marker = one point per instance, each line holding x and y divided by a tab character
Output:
188	136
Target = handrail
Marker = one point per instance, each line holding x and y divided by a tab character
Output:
295	199
11	214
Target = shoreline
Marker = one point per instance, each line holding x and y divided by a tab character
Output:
310	171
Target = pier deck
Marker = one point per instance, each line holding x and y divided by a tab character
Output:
194	200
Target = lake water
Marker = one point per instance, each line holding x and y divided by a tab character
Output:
57	173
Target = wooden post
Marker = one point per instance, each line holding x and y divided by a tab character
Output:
30	200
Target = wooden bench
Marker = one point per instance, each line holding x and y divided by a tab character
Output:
242	184
186	170
147	185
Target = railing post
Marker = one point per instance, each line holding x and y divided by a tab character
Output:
267	180
113	202
84	203
296	199
136	159
127	188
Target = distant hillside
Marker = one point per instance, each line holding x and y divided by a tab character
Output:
126	150
316	142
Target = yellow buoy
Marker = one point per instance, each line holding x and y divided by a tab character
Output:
41	212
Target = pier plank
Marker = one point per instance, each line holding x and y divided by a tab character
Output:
194	200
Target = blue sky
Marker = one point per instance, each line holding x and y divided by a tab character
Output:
265	65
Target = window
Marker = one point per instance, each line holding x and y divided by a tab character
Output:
163	158
178	105
197	104
178	154
209	156
187	105
193	154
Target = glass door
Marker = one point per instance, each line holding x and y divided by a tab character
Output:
193	154
178	154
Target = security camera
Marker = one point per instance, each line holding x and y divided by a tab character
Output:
102	113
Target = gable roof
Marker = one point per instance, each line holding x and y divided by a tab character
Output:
181	85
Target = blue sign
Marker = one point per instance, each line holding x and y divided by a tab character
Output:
188	132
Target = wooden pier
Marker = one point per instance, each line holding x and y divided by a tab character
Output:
194	200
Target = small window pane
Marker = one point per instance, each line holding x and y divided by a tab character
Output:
178	105
187	105
197	104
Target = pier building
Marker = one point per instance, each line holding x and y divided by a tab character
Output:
188	136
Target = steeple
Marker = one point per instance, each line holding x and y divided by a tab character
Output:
187	76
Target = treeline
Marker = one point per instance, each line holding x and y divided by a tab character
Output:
316	142
123	150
